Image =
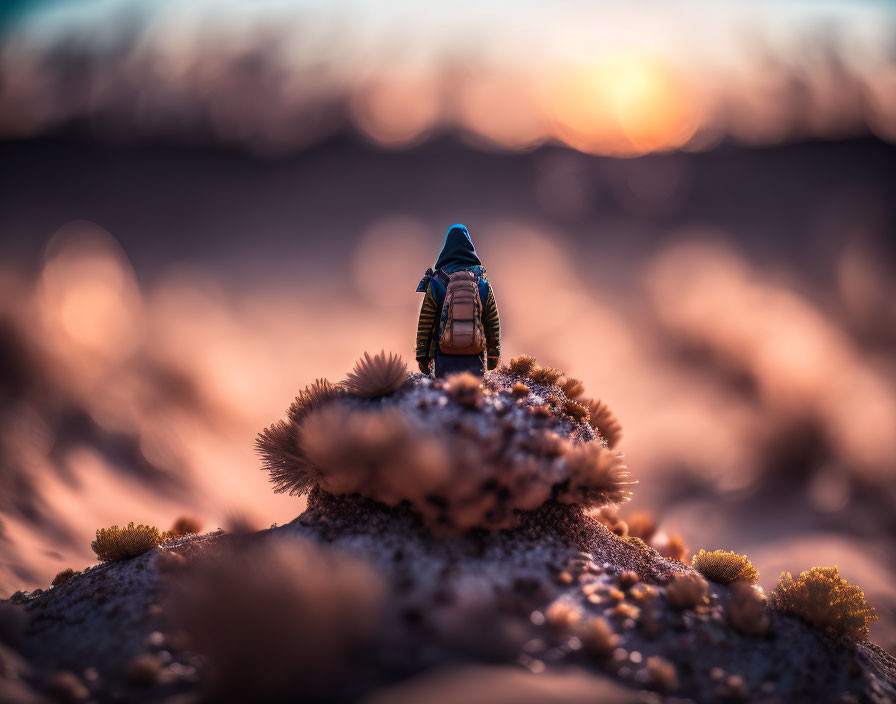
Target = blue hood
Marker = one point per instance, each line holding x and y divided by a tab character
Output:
458	251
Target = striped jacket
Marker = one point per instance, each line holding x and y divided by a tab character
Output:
429	314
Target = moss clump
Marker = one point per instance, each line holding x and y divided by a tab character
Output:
686	591
598	638
747	610
121	543
725	567
576	411
465	389
824	600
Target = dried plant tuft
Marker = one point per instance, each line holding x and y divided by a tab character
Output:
597	477
576	411
316	394
519	390
686	591
725	567
604	422
522	365
465	389
545	375
377	376
377	454
63	577
185	525
824	600
121	543
572	387
278	444
598	638
747	610
277	619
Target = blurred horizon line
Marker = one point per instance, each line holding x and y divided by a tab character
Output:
276	78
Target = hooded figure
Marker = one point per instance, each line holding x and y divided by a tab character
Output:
458	254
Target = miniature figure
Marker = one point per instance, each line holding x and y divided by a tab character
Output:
459	320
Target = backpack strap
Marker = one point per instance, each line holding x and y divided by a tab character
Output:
439	285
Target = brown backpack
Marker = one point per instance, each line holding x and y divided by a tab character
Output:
461	330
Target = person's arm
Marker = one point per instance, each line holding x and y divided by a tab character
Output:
425	325
491	322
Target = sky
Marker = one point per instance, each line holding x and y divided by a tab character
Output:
603	78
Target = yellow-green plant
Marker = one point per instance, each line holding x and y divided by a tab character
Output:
121	543
725	567
824	600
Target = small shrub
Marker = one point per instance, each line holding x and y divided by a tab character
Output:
376	376
576	411
573	388
598	638
377	454
121	543
604	422
278	620
686	591
641	525
522	365
674	548
747	610
519	390
63	577
185	525
545	375
465	389
597	477
561	616
609	516
724	567
824	600
661	674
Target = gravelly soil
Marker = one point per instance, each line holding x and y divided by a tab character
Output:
477	598
517	597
